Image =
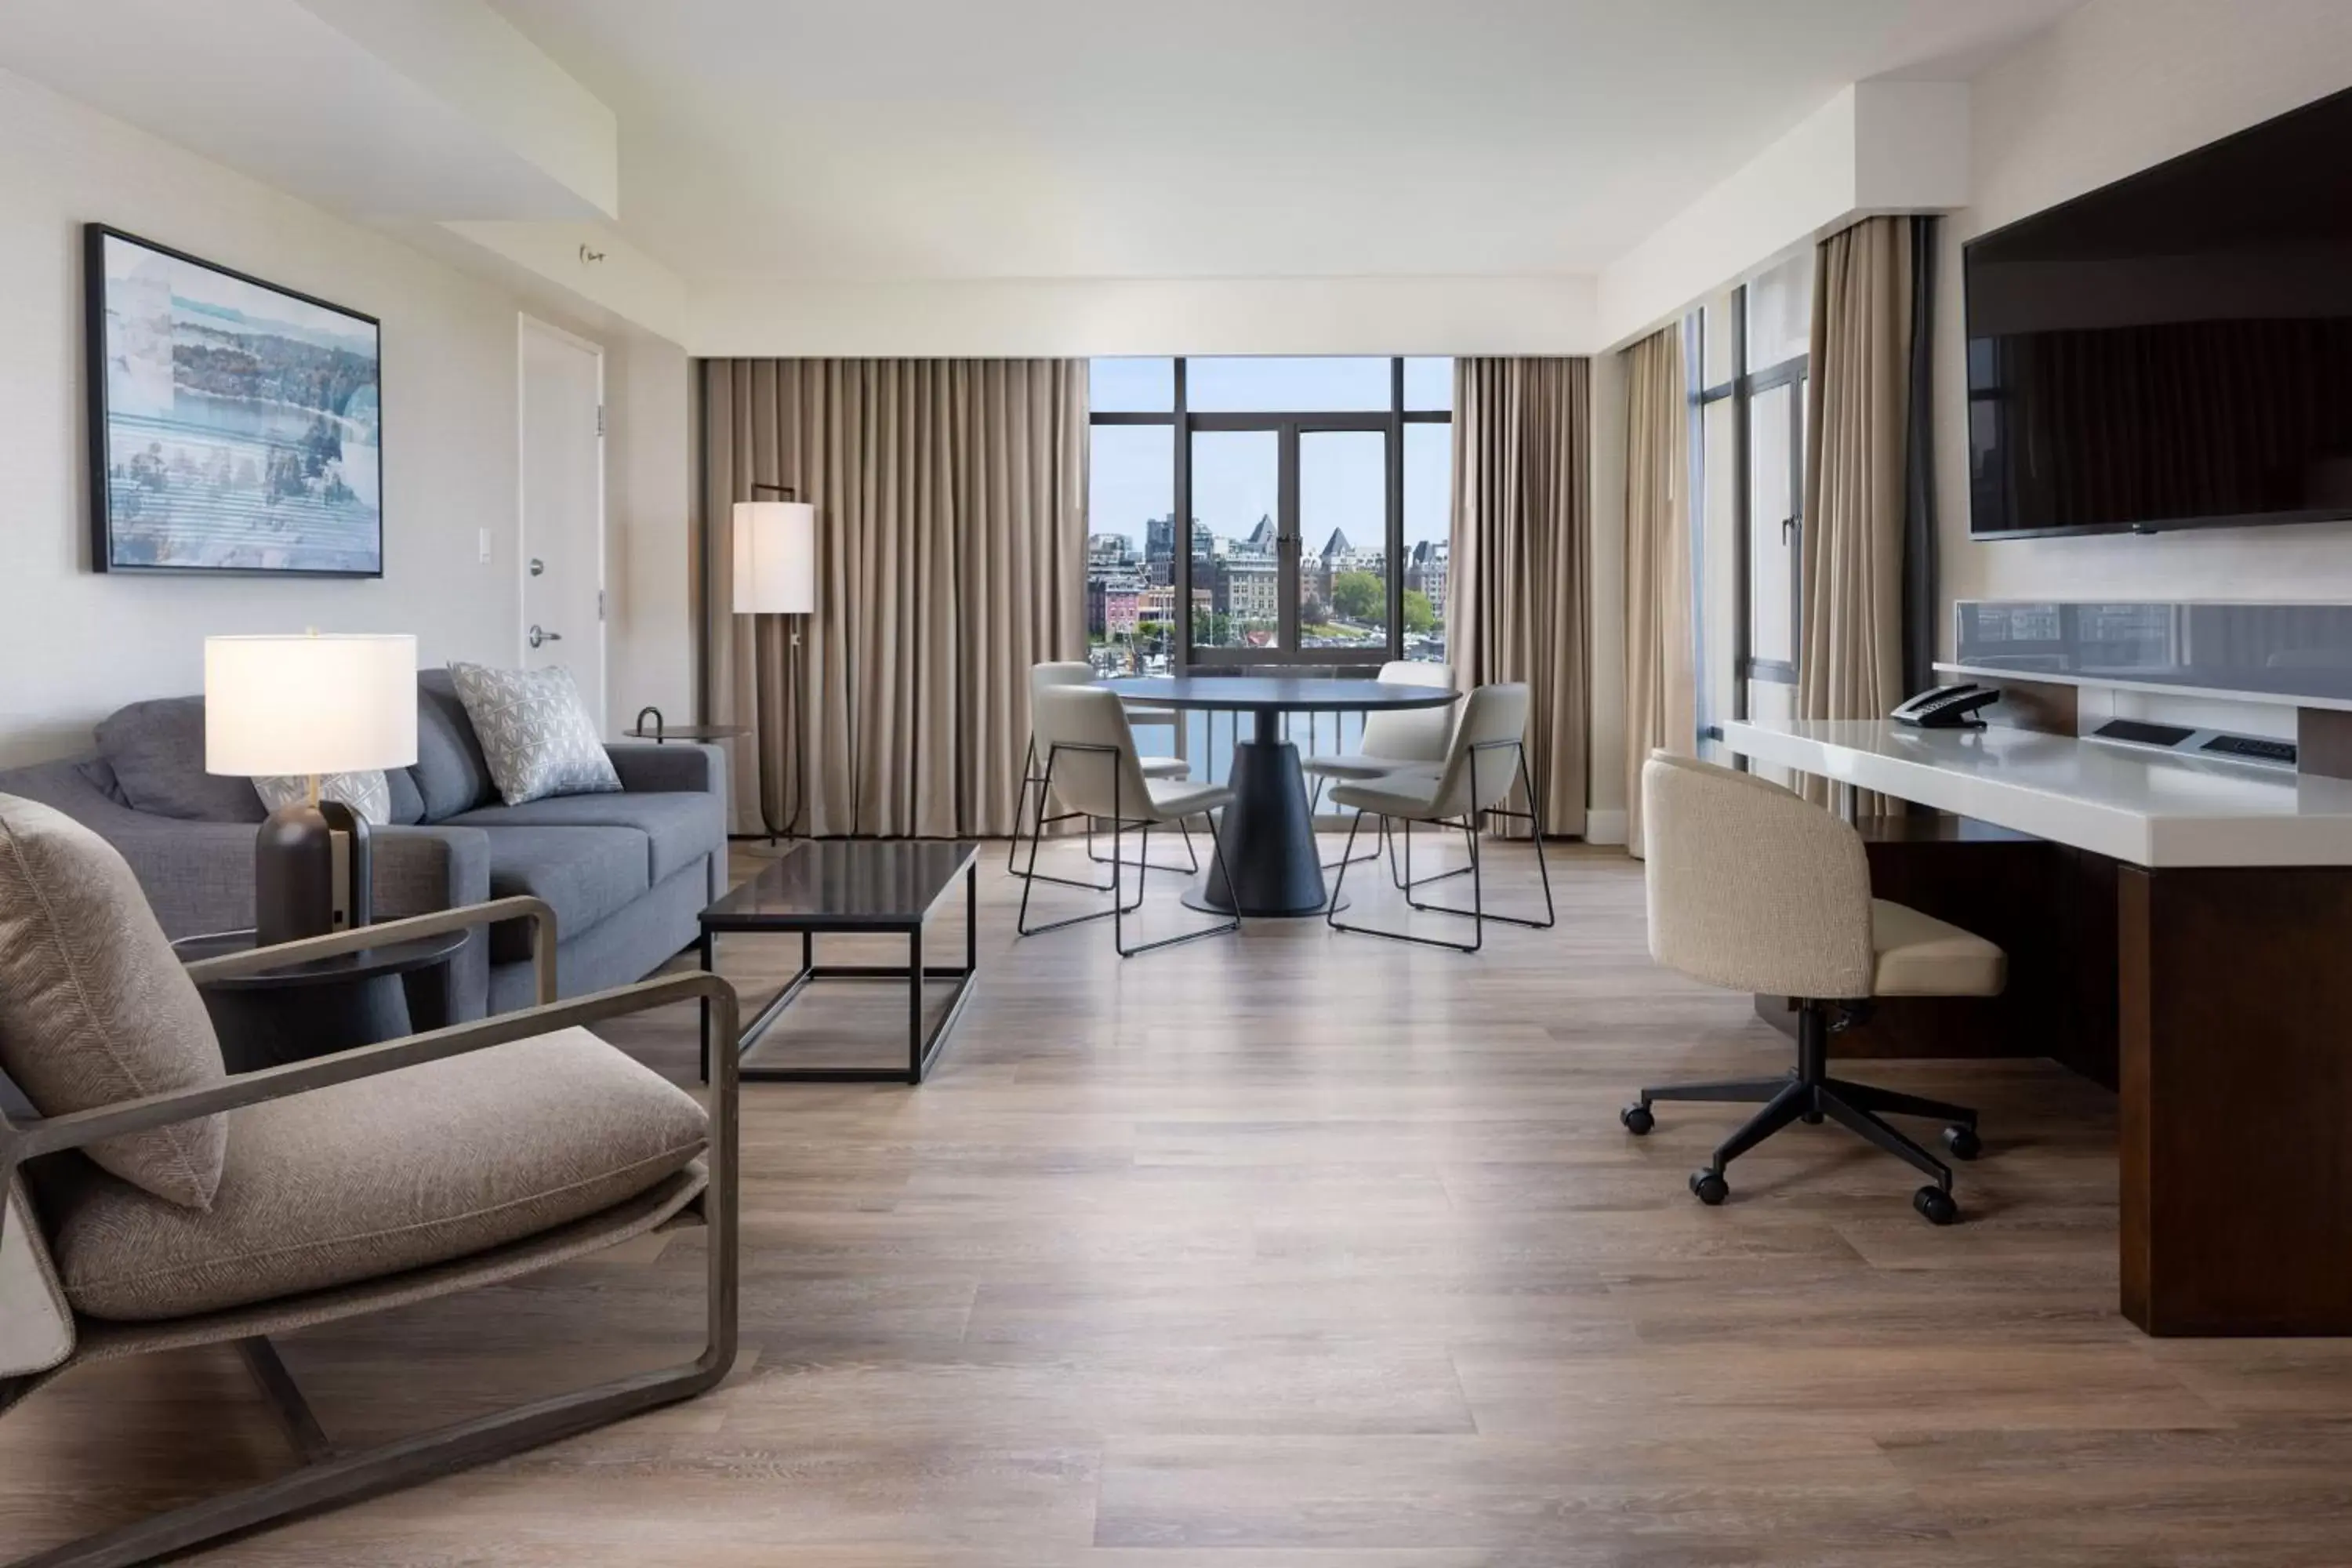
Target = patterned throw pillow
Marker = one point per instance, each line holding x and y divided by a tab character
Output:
368	793
535	733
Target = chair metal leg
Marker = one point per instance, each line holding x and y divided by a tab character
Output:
1888	1102
1216	866
1793	1101
1840	1109
1728	1091
1475	913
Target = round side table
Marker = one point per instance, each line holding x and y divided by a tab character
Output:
311	1009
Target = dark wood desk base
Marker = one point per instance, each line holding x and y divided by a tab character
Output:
2217	1003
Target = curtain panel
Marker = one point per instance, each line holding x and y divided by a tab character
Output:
951	503
1660	678
1521	543
1857	454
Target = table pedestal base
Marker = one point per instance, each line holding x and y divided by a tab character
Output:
1268	840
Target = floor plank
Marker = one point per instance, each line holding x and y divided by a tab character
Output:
1296	1250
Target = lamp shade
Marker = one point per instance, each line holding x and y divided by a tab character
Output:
775	558
287	705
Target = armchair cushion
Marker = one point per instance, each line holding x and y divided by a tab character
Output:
37	1331
94	1007
380	1176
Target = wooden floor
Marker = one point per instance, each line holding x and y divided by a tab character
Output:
1300	1250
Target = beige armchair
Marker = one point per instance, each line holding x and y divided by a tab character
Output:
157	1202
1753	888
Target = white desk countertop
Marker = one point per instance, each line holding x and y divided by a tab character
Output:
2127	805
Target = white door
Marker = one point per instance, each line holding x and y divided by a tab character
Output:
563	552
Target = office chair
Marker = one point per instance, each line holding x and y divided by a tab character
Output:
1753	888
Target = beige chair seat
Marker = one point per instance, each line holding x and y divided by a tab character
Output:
1165	767
1916	955
1173	798
1354	765
387	1173
1410	791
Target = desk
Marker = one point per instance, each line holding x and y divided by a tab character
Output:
2230	937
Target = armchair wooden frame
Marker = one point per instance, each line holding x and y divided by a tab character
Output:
328	1475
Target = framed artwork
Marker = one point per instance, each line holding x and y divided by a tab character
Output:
235	427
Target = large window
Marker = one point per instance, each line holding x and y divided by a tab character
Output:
1746	350
1263	510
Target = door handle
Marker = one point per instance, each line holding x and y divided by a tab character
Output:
537	637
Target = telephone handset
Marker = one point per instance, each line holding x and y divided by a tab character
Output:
1947	707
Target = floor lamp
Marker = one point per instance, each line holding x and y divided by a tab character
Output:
775	574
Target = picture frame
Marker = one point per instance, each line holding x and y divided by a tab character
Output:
236	425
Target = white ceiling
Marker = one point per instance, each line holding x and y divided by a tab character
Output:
971	139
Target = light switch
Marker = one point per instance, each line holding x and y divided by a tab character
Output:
486	547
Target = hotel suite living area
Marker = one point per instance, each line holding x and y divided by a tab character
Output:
1282	784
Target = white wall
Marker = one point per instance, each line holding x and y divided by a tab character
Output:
2117	85
1083	317
75	644
650	627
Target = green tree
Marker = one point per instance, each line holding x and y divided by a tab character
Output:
1357	595
1418	616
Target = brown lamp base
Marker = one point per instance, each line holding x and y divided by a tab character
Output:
294	871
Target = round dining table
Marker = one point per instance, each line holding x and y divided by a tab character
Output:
1271	868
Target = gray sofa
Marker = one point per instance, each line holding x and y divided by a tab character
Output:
626	874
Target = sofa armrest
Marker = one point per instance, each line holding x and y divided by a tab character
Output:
647	767
197	876
421	870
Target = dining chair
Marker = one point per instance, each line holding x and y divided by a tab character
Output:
1092	764
1400	739
1047	678
1486	756
1753	887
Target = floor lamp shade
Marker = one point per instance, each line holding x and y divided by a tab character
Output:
775	558
285	705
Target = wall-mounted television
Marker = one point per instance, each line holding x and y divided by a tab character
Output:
2174	350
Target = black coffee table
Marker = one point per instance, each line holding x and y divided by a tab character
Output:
298	1011
840	887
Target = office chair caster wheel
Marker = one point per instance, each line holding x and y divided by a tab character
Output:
1936	1204
1963	1142
1709	1187
1637	1119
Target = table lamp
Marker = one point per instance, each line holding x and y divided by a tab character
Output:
775	574
305	706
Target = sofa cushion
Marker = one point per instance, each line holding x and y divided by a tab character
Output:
94	1007
450	773
680	829
156	751
585	874
407	800
382	1176
536	731
36	1330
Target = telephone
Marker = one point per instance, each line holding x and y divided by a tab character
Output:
1947	707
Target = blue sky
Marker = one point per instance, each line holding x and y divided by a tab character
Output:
1340	483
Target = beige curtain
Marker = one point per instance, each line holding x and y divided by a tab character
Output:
950	499
1859	408
1661	683
1520	542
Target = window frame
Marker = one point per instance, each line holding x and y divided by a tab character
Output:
1742	386
1288	426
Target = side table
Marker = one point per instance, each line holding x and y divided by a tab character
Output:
311	1009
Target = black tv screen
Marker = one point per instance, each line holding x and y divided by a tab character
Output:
2174	350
